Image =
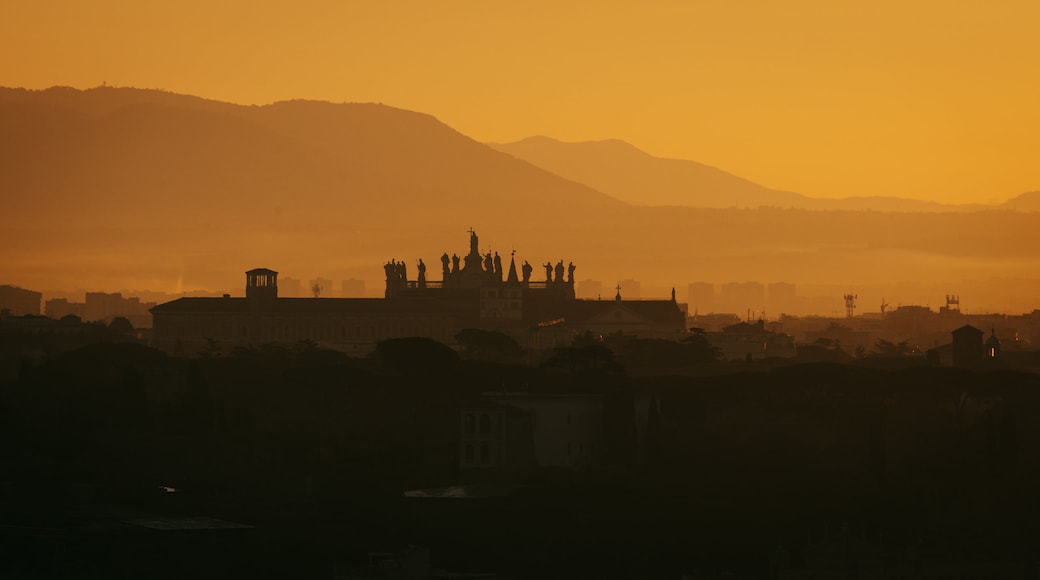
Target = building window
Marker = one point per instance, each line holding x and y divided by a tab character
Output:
485	424
468	424
485	455
467	455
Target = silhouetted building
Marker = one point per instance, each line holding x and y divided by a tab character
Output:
909	321
104	307
751	341
781	297
496	441
941	355
19	301
58	308
741	297
701	297
509	433
476	292
953	305
967	347
843	336
712	322
993	346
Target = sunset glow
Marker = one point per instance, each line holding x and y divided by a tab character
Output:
926	100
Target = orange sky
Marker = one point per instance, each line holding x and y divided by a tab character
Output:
926	99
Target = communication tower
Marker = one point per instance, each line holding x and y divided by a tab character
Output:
850	304
953	305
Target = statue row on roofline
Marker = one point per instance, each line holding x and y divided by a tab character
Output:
476	270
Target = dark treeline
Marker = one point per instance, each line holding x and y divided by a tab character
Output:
747	471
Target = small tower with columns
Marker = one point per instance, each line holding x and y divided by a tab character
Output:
261	284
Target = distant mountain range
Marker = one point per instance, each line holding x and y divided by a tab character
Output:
112	188
124	174
627	173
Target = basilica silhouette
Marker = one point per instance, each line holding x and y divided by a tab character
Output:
474	292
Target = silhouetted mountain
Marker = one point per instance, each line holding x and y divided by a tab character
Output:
625	172
179	175
118	187
1029	201
621	170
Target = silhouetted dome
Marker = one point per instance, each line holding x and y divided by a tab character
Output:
992	345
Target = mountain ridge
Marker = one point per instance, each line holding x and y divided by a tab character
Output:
125	188
630	174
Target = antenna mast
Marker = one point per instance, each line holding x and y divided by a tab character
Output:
850	304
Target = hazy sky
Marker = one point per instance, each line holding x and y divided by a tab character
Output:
926	99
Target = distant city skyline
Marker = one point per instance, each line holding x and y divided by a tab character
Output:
924	100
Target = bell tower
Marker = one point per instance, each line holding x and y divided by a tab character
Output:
261	284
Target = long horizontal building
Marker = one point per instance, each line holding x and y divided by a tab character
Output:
473	292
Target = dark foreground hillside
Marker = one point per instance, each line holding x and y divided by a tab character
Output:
119	461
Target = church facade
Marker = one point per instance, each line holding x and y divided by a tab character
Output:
474	292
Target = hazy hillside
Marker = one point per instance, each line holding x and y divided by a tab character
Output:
122	188
629	174
1029	201
122	175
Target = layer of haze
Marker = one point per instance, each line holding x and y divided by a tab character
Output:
932	100
119	188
